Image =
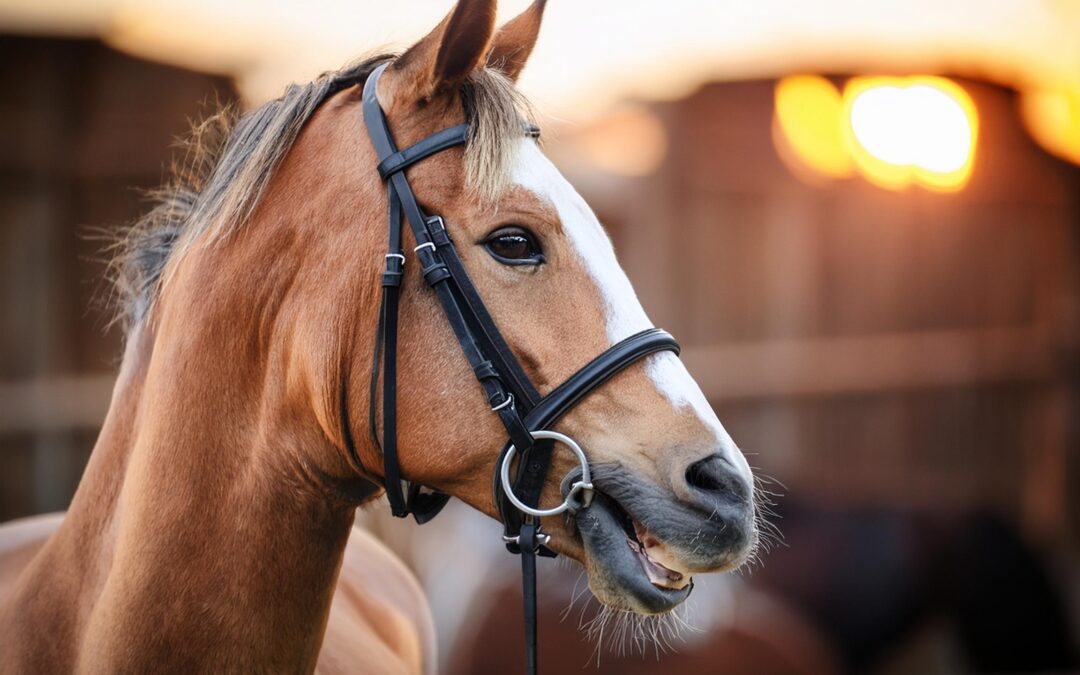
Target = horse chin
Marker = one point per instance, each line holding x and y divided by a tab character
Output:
623	572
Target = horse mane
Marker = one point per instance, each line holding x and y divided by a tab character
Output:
226	161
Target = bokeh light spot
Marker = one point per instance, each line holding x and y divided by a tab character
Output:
1052	117
895	132
808	122
911	130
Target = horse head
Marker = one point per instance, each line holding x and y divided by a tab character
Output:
673	493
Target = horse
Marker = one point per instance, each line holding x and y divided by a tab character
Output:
213	528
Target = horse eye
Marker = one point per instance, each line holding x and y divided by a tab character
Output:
514	246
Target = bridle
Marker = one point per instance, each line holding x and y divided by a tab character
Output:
524	413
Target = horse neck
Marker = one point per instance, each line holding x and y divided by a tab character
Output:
225	533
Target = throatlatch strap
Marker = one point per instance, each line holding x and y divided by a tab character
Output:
386	339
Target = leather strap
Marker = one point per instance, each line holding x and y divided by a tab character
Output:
529	544
435	143
402	201
532	470
525	394
598	371
507	387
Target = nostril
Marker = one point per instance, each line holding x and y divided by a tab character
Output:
700	477
713	475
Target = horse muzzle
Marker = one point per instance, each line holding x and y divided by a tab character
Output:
643	543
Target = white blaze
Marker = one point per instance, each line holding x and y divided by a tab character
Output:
624	314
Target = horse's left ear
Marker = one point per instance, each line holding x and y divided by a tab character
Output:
439	62
515	41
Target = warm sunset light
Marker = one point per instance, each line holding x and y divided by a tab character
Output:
606	147
1052	117
911	130
895	132
282	279
807	124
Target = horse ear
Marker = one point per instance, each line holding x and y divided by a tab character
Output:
515	41
439	62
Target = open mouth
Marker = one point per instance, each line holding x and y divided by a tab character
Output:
650	551
628	566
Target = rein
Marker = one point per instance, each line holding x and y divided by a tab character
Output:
524	413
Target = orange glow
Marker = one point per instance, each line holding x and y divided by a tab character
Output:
917	130
807	124
630	142
895	132
1052	117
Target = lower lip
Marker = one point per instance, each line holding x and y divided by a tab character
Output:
600	527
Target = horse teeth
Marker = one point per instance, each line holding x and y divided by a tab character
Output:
657	553
659	574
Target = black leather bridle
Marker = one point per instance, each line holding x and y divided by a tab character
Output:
524	413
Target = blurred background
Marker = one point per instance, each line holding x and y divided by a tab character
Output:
861	219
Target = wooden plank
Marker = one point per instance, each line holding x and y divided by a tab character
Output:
847	365
55	404
770	369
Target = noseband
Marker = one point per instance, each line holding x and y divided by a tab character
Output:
524	413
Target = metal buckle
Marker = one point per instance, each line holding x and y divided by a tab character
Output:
399	256
585	484
509	401
425	245
542	538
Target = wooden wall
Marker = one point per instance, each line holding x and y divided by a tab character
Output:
904	349
865	346
900	350
82	129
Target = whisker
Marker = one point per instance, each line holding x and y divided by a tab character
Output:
624	633
575	594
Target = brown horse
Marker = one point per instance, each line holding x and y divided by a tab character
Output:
212	530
